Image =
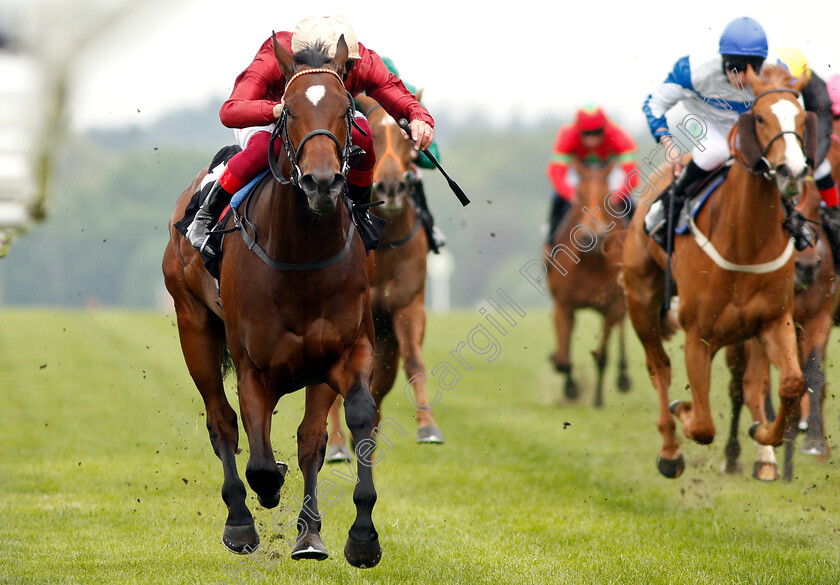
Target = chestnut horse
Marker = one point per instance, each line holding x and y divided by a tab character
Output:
296	315
398	285
733	272
591	280
814	297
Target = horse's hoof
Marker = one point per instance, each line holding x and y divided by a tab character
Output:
674	406
624	383
732	467
754	429
338	454
670	468
260	479
766	471
242	540
429	434
309	546
814	446
363	554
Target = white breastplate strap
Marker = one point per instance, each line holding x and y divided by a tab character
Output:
722	262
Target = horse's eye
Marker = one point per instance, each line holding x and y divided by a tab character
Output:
759	119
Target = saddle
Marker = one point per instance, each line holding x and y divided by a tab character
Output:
702	193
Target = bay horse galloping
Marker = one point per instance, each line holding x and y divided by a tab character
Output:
297	314
739	283
814	297
591	280
397	288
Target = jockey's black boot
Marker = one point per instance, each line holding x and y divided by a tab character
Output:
831	225
199	231
559	208
657	221
359	195
435	237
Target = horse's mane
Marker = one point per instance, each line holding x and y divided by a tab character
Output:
314	55
776	75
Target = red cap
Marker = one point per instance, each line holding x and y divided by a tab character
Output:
590	117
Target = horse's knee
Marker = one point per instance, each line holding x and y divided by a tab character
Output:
792	387
359	409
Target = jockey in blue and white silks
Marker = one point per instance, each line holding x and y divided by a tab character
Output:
714	93
705	91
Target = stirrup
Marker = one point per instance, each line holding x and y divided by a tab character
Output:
206	249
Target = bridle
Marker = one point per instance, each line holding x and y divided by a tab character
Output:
768	171
389	152
281	130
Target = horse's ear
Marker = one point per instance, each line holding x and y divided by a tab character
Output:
748	140
810	138
341	54
418	94
752	79
800	83
285	60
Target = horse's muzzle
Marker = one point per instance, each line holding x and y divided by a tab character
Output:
322	191
789	184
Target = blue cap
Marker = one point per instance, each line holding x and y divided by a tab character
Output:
744	36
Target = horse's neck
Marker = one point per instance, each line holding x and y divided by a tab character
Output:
750	216
294	233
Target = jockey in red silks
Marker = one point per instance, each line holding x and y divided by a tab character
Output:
256	102
592	139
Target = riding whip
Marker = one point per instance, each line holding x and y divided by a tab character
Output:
403	123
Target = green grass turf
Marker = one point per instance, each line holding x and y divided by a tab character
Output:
107	474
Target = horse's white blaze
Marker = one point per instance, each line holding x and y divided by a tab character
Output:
388	121
786	113
315	93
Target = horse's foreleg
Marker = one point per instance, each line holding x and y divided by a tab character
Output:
646	321
756	389
352	380
696	416
564	321
779	340
815	334
410	328
203	344
611	316
736	361
312	443
386	362
257	400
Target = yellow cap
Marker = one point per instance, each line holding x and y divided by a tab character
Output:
326	29
794	61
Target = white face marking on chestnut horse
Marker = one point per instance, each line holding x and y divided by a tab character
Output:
786	112
387	121
314	93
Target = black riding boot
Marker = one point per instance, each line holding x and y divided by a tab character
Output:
559	208
207	215
435	237
657	221
359	195
831	225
